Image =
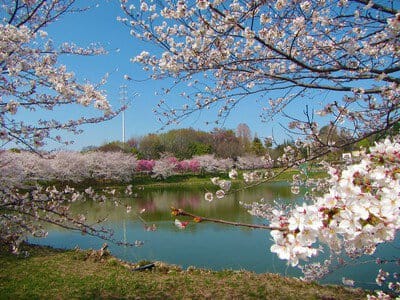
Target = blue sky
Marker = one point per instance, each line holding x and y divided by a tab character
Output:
100	25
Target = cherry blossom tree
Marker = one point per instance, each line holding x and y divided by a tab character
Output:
32	80
339	57
251	162
34	83
115	166
338	61
209	164
76	167
165	166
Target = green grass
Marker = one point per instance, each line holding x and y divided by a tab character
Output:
184	181
189	180
75	274
288	175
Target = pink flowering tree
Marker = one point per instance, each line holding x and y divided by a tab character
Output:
338	61
144	165
182	166
33	82
191	165
194	166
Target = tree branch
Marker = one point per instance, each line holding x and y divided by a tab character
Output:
378	7
198	219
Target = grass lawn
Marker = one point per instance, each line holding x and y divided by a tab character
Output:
188	180
49	273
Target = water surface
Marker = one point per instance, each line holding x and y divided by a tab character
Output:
204	245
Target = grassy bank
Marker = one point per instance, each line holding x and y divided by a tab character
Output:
58	274
183	180
204	179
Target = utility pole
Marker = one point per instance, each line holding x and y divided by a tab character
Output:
123	99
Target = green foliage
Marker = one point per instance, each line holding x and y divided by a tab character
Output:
225	143
150	146
115	146
257	147
365	143
369	141
186	143
392	131
15	150
395	130
278	150
198	148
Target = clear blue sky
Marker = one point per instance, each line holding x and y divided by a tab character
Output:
100	25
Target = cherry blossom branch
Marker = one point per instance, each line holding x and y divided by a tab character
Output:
198	219
377	6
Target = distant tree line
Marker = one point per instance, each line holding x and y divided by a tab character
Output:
188	142
222	143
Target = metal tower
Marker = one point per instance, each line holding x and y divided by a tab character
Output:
123	93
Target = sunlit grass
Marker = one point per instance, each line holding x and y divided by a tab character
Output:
54	274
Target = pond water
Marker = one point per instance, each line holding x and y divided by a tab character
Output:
204	245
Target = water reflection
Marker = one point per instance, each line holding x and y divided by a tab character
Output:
157	203
205	245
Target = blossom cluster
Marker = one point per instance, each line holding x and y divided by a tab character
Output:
360	210
223	185
33	80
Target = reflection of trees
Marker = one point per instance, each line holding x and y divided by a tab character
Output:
159	202
189	201
149	205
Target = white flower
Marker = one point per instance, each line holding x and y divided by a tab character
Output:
202	4
233	174
209	196
347	281
295	189
282	251
220	194
280	4
225	185
305	5
144	6
215	180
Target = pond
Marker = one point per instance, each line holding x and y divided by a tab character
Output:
204	245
